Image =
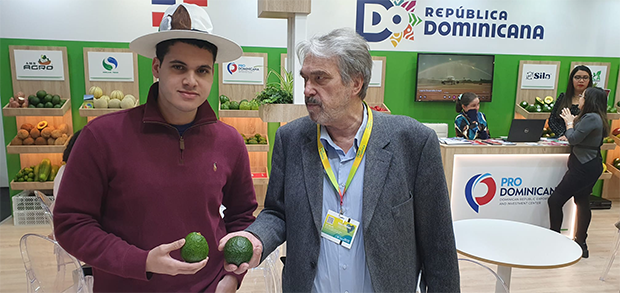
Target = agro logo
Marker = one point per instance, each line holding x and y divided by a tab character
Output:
530	75
476	202
43	63
110	63
232	68
377	20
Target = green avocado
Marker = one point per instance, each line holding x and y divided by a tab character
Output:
238	250
41	94
195	249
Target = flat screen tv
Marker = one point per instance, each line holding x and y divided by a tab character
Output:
443	77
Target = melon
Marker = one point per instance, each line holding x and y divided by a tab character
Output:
116	94
114	103
95	91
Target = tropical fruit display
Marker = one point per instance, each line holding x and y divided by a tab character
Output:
116	99
195	249
254	139
41	134
540	104
616	132
227	104
238	250
611	109
42	172
41	99
616	162
608	140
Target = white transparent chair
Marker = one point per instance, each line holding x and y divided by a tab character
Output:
473	279
614	252
46	204
265	278
49	268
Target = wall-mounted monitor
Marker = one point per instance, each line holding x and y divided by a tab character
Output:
443	77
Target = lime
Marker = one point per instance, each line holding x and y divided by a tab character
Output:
238	250
224	99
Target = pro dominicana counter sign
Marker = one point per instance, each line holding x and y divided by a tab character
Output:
245	70
110	66
510	187
39	65
538	76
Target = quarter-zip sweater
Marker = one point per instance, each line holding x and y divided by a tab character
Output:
133	183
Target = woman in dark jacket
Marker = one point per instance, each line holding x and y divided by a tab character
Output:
580	79
585	135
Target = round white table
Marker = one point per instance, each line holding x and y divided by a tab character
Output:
511	244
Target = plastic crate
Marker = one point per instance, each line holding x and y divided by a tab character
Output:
27	210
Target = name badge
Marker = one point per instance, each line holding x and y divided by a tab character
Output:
339	229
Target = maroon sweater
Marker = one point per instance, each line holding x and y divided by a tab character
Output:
133	183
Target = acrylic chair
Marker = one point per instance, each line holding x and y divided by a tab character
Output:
46	204
265	277
614	252
49	268
473	279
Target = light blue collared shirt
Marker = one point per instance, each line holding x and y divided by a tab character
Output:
340	269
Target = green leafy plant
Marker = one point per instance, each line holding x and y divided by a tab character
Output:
280	92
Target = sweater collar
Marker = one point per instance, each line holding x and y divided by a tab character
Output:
152	114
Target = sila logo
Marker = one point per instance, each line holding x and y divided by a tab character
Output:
377	20
530	75
476	202
232	68
110	63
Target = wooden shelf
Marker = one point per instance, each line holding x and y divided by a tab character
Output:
383	105
282	112
605	176
608	146
10	111
282	9
613	116
260	180
238	113
531	115
49	185
18	149
616	140
613	170
257	147
86	112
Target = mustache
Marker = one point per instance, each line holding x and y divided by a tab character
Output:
312	100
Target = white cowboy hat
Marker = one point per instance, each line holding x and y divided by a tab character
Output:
186	21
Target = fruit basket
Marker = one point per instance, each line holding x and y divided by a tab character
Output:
531	115
10	111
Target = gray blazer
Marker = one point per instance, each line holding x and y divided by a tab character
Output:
586	137
406	219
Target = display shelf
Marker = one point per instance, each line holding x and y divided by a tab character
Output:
258	147
608	146
281	112
613	116
605	176
238	113
90	112
10	111
382	105
260	175
531	115
613	170
18	149
616	140
49	185
282	9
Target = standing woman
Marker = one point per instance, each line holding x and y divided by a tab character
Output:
585	135
470	123
579	80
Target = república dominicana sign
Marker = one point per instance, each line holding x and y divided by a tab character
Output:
39	65
110	66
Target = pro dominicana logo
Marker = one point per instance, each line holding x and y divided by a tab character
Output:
109	63
232	68
378	20
476	202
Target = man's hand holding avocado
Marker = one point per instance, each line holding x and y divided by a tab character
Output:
158	261
240	255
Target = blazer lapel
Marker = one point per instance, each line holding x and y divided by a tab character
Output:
313	175
377	166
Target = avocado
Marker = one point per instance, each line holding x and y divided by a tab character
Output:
195	249
238	250
41	94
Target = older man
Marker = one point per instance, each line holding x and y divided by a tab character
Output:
359	196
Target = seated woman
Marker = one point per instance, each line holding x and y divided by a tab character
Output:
470	123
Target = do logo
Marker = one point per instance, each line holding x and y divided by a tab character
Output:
476	202
377	20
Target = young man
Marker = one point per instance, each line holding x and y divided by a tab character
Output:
140	180
359	196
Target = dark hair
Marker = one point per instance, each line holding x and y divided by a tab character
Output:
595	101
464	99
163	47
65	154
570	88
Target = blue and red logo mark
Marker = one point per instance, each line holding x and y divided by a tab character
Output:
476	202
378	20
232	68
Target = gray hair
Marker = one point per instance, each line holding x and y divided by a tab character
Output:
349	49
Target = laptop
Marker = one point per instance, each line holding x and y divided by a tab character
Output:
526	130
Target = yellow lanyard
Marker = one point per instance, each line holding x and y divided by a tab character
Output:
356	163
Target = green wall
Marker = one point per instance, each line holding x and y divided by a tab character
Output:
399	86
